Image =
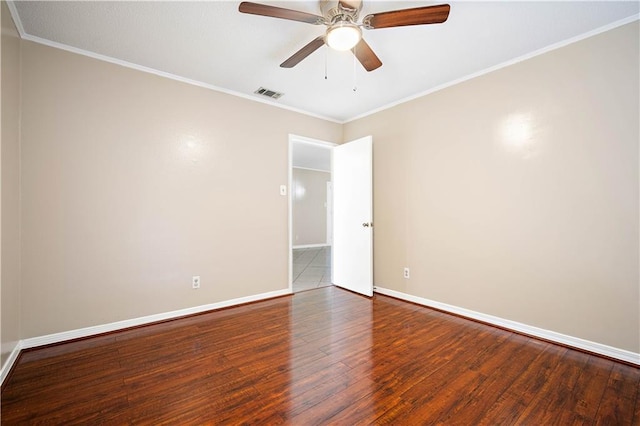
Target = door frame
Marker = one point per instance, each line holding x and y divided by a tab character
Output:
294	139
329	209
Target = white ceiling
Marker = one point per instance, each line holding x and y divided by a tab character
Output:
211	43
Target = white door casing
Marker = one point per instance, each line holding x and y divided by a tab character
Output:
329	209
295	141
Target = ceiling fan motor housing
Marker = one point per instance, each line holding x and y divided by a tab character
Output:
335	11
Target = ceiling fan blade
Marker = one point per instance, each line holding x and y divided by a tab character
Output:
279	12
365	55
303	53
398	18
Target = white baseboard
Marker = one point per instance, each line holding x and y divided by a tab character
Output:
119	325
575	342
598	348
8	364
311	246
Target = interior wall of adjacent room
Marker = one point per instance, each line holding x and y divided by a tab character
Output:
10	200
133	183
309	193
515	194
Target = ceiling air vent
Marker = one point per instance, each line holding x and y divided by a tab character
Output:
268	93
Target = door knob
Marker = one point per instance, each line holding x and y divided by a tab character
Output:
367	224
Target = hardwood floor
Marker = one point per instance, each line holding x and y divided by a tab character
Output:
323	356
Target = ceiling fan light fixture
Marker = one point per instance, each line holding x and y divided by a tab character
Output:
343	36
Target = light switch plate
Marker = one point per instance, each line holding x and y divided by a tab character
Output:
283	189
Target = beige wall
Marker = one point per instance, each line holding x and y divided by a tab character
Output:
10	202
515	194
132	183
309	196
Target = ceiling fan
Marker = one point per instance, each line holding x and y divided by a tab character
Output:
343	30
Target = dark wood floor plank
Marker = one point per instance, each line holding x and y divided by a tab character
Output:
619	397
524	389
450	379
636	415
329	408
554	395
583	401
510	358
324	356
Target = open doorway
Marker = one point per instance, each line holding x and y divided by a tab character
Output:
310	213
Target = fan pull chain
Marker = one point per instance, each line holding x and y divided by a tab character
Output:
355	86
326	59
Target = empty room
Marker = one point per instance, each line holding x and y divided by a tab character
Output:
470	252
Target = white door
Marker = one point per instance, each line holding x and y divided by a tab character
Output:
352	251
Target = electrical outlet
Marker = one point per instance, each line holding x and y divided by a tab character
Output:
406	273
195	281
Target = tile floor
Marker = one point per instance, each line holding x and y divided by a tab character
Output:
311	268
